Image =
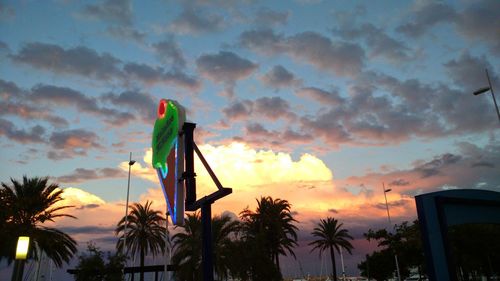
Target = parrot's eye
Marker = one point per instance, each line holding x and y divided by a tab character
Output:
162	108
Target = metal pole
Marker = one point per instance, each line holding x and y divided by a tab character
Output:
390	224
189	174
342	263
130	163
206	254
493	94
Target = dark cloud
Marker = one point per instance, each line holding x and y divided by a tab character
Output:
434	167
63	96
394	204
280	77
80	60
399	182
425	16
238	110
323	97
150	75
270	108
339	57
170	52
88	206
225	67
144	72
273	108
33	135
192	21
31	113
333	211
264	41
81	175
479	22
127	33
266	17
468	71
142	103
483	164
257	135
70	143
378	42
9	89
181	79
114	11
3	45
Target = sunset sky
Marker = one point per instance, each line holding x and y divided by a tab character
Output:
316	102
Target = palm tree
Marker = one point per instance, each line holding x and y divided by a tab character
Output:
273	222
331	236
26	206
145	232
188	246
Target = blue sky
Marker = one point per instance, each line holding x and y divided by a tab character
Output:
362	92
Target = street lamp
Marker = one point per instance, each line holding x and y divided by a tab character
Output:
485	89
130	163
23	243
390	224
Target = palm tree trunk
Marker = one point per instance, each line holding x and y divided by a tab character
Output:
278	262
141	276
334	269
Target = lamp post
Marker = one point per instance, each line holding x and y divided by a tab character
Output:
23	243
485	89
390	224
125	233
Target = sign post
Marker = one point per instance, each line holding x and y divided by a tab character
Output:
173	158
168	156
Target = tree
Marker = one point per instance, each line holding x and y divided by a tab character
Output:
145	232
93	267
25	207
272	225
405	241
188	246
331	236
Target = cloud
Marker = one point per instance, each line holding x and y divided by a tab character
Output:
125	32
114	11
256	135
323	97
141	103
267	17
479	21
81	175
79	60
425	15
225	67
269	108
273	108
14	103
192	21
238	110
264	41
468	71
378	42
63	96
79	198
69	143
33	135
433	167
170	52
338	57
280	77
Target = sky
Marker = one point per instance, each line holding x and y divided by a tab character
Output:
316	102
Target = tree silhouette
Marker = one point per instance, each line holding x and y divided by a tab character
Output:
188	246
272	224
331	236
145	232
25	207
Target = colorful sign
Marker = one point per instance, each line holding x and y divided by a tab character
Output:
168	156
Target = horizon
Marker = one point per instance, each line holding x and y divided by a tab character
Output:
320	103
